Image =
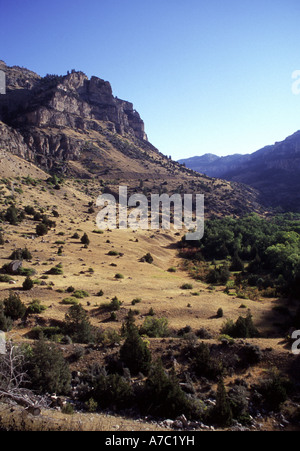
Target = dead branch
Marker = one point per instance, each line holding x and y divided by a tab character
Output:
13	380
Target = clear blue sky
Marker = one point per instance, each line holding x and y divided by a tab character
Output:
206	76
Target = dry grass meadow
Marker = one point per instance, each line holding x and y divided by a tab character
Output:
92	269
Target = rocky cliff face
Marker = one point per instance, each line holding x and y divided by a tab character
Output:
39	114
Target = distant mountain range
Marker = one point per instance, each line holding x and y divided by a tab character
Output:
273	170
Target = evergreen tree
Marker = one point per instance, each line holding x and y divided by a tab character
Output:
41	229
135	352
236	264
14	307
85	239
28	284
78	326
11	215
222	413
48	370
163	394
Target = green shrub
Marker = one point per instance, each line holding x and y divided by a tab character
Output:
136	301
28	284
70	289
221	413
155	327
112	390
56	270
21	254
135	353
48	332
14	307
80	294
274	390
5	322
85	239
113	253
41	229
187	286
119	276
5	278
48	370
218	276
115	304
163	395
220	313
203	364
172	269
148	258
91	405
27	272
243	328
70	301
11	215
68	409
35	307
108	337
78	326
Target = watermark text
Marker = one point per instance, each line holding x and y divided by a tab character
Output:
2	82
183	212
296	83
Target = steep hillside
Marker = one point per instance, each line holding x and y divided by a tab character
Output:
74	126
274	171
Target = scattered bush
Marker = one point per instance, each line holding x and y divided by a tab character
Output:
35	307
21	254
14	307
28	284
172	269
85	239
80	294
41	229
147	258
70	301
113	253
155	327
203	364
78	326
220	313
243	328
56	270
186	286
5	322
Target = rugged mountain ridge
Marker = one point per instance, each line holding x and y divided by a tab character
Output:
74	126
273	170
34	104
213	165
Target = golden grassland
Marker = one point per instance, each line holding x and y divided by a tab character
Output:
92	269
